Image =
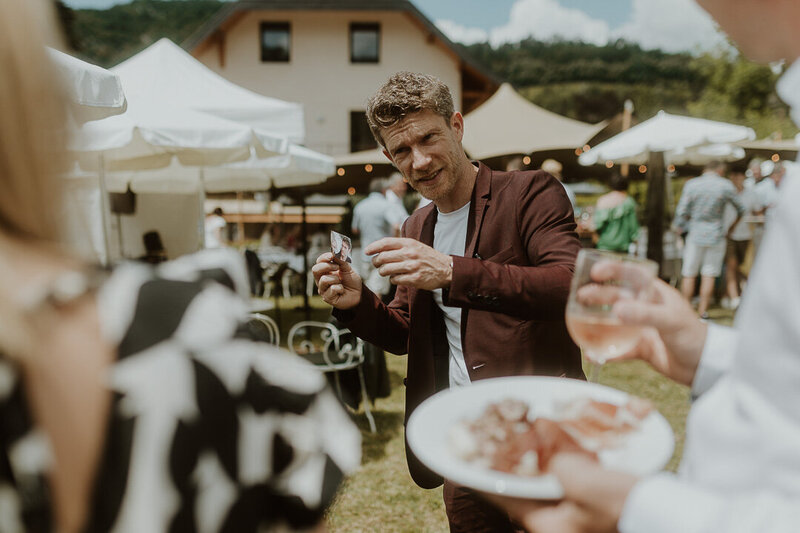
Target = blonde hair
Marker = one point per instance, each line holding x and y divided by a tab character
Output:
405	93
32	122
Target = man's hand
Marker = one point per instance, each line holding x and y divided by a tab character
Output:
409	262
337	282
592	503
673	340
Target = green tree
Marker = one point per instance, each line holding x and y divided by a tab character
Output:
741	92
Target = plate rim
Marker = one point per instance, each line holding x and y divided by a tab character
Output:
548	480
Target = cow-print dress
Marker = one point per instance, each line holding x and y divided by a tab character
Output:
209	431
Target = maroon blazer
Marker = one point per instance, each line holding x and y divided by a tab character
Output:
512	286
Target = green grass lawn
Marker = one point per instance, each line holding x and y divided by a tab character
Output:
382	497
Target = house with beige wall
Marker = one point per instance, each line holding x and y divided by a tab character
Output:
330	56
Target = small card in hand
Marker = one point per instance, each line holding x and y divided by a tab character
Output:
341	246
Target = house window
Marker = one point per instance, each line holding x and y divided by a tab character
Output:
275	38
360	135
364	42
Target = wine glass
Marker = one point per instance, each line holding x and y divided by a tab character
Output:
601	279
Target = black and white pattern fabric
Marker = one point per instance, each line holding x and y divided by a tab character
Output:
209	431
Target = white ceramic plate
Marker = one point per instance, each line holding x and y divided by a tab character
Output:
643	451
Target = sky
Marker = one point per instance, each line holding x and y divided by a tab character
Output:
672	25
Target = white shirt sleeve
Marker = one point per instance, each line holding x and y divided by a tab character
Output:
716	358
665	504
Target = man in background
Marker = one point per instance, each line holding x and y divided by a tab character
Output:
767	188
374	218
395	191
214	229
700	212
740	236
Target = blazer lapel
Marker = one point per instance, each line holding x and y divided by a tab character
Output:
426	233
477	210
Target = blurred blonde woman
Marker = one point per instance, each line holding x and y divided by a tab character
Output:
133	400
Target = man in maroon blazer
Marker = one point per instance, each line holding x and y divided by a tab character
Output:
482	272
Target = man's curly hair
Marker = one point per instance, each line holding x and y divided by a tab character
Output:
405	93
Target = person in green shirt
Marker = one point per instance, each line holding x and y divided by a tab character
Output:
615	217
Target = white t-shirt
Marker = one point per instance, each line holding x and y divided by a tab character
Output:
450	237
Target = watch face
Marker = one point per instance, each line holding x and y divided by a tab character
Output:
341	246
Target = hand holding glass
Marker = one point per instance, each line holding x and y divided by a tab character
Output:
602	279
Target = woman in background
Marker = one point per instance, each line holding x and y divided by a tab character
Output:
134	400
615	218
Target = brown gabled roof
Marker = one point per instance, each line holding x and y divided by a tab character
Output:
477	83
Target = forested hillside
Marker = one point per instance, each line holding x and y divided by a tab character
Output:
108	37
580	80
591	83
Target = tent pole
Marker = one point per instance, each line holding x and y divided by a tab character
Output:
239	222
201	227
655	208
304	235
106	261
119	236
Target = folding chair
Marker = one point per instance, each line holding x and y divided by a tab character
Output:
332	350
264	328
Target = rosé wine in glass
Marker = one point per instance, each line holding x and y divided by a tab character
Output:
601	279
602	338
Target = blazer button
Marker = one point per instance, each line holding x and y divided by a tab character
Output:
470	295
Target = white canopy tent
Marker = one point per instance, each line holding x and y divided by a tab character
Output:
179	152
104	238
507	123
147	137
674	135
183	115
148	134
167	74
300	166
772	144
93	92
700	155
